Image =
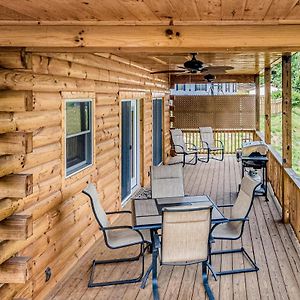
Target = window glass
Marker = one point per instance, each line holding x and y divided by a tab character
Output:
78	136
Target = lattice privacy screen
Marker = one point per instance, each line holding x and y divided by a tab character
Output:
230	111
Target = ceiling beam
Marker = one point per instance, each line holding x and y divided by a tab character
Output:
161	38
239	78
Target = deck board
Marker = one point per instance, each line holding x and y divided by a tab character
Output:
271	242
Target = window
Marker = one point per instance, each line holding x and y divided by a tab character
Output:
201	87
180	87
78	136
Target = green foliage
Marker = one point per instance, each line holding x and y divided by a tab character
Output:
296	99
277	94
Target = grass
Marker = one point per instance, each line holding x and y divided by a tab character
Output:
276	135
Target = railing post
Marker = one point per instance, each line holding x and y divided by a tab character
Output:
268	105
257	103
286	133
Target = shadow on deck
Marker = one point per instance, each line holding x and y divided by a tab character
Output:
272	243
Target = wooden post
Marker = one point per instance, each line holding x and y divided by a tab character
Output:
286	132
257	103
268	105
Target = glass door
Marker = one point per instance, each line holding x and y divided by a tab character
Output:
157	131
129	155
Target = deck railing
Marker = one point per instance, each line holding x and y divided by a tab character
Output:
231	138
286	186
285	182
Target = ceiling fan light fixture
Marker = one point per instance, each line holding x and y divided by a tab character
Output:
209	77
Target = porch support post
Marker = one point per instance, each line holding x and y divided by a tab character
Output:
257	103
268	105
286	133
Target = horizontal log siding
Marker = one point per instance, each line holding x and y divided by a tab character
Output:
63	225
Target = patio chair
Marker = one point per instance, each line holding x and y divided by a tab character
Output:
184	241
167	181
180	148
209	144
115	237
233	228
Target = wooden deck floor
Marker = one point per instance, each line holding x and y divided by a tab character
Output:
272	243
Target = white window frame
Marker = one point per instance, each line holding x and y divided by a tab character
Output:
83	164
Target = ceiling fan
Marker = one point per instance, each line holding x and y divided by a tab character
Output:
194	66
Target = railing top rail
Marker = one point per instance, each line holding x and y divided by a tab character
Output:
219	130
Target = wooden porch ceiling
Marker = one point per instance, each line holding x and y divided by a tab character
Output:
256	32
150	11
272	243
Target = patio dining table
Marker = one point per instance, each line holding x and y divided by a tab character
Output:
147	214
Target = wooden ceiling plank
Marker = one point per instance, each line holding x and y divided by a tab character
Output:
232	9
162	9
256	10
211	10
280	9
140	10
295	12
10	14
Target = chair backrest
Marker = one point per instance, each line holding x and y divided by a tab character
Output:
185	234
207	135
177	139
98	210
167	181
244	201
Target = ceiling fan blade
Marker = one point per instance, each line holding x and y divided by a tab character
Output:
167	71
216	69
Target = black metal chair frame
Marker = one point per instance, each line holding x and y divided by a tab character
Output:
205	264
120	260
254	267
184	153
210	152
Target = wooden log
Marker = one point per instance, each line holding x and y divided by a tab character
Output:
31	121
12	60
47	101
107	63
16	186
11	164
16	143
7	123
43	83
107	110
42	155
47	135
106	87
101	147
267	105
16	227
108	133
16	100
106	99
10	248
15	270
106	122
7	208
8	291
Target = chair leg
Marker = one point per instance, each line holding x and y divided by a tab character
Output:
207	159
92	284
253	268
205	282
154	274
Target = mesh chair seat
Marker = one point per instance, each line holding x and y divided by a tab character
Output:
227	231
124	237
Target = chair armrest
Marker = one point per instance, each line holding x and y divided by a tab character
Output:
194	147
119	212
226	205
220	143
203	142
180	147
125	227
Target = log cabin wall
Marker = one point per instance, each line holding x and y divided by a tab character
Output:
54	220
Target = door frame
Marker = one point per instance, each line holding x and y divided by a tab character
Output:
136	104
